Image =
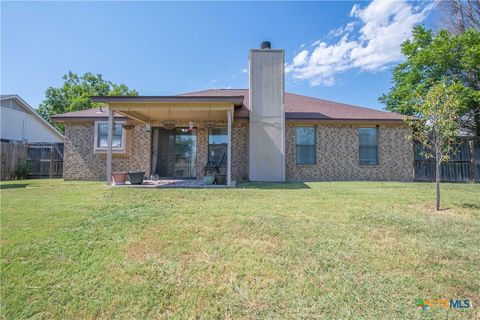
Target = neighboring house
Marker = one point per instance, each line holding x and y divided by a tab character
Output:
21	123
263	133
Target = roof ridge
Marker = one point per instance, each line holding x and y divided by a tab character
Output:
211	89
5	96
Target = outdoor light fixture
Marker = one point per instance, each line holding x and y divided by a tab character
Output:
190	125
148	127
169	123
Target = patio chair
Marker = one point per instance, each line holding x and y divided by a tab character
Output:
214	165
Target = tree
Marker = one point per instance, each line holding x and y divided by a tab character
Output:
458	16
75	93
430	59
437	123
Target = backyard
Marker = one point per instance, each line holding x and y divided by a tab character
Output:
300	250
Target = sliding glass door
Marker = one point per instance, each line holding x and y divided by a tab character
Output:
185	153
174	153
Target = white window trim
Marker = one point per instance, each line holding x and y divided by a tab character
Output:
104	149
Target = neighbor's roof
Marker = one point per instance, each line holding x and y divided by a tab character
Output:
297	107
28	108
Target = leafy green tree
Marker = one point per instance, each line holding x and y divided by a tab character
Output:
437	122
75	93
431	59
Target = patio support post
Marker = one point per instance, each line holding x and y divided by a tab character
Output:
109	146
229	148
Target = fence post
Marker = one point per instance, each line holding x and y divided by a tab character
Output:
52	163
474	174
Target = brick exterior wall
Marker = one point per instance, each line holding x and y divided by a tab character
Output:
336	150
82	163
202	150
337	155
240	150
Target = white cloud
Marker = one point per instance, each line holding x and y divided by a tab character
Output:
301	58
336	32
244	70
349	27
374	45
354	10
342	30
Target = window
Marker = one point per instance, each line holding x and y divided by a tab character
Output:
101	136
305	140
217	144
368	152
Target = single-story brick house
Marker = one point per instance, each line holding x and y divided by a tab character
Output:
262	133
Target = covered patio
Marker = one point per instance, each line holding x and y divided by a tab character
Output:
178	119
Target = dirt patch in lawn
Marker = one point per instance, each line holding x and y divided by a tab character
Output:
145	249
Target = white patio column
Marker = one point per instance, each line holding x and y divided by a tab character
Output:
229	148
109	146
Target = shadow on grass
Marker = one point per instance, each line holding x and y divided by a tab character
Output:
13	186
273	185
470	205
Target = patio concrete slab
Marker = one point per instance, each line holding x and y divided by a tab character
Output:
174	183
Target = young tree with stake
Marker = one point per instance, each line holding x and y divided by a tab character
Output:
437	123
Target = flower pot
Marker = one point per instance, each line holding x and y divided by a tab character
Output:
208	180
221	179
119	178
136	177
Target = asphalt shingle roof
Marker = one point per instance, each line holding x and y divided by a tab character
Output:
303	107
297	107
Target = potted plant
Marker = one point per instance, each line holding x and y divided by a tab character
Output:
221	179
208	180
136	177
119	178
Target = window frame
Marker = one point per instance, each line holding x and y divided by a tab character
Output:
314	145
377	161
98	149
222	144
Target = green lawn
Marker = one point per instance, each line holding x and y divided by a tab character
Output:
314	250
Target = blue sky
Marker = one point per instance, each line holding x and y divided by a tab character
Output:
341	51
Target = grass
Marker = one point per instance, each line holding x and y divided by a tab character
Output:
334	250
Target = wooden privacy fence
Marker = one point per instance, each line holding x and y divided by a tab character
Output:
43	160
12	156
463	165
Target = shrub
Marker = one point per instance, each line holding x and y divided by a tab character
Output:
22	171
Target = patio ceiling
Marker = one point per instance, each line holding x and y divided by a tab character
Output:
155	113
146	109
